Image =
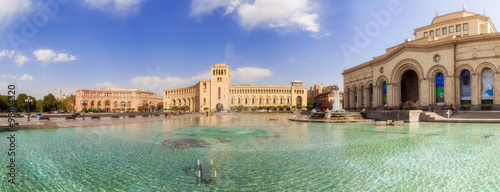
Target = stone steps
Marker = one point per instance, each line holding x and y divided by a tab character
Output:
431	116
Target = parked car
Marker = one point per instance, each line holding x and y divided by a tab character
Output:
38	115
77	115
262	111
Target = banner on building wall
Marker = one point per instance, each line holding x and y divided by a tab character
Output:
465	88
440	89
385	93
487	89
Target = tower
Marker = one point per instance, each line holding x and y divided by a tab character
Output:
220	80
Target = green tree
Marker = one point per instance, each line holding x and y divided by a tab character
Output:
280	107
240	107
39	105
186	108
206	108
49	102
21	103
68	103
159	106
254	108
310	103
286	107
299	107
4	102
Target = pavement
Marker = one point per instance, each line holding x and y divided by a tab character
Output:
60	121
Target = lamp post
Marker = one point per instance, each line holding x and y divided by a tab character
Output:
28	100
151	105
84	103
124	103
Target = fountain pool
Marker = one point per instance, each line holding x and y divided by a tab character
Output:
262	155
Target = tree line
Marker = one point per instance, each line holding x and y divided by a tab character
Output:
47	104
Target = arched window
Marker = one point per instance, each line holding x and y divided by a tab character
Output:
439	89
363	96
355	97
465	88
487	89
219	93
246	101
232	101
239	100
253	100
384	93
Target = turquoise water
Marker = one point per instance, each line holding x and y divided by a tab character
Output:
262	155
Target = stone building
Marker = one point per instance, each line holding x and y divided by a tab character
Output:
111	98
217	93
325	97
454	60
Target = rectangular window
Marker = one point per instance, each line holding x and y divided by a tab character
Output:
445	30
451	29
459	28
466	26
431	33
458	36
465	35
425	34
438	32
219	93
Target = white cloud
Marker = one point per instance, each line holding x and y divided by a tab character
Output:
21	59
249	74
105	85
117	7
264	13
47	55
26	77
18	57
157	84
9	76
318	36
10	9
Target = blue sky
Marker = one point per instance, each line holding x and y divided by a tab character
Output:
158	44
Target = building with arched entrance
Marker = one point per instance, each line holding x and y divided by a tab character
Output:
217	93
454	60
110	99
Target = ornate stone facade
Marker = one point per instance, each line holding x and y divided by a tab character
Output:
459	67
111	98
217	93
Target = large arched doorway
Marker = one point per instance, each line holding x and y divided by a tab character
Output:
299	101
409	88
219	107
107	105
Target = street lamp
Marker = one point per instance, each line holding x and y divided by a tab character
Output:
84	103
151	105
28	100
124	103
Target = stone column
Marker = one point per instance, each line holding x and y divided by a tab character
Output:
359	99
367	98
475	93
424	89
392	96
351	99
496	91
449	90
376	96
